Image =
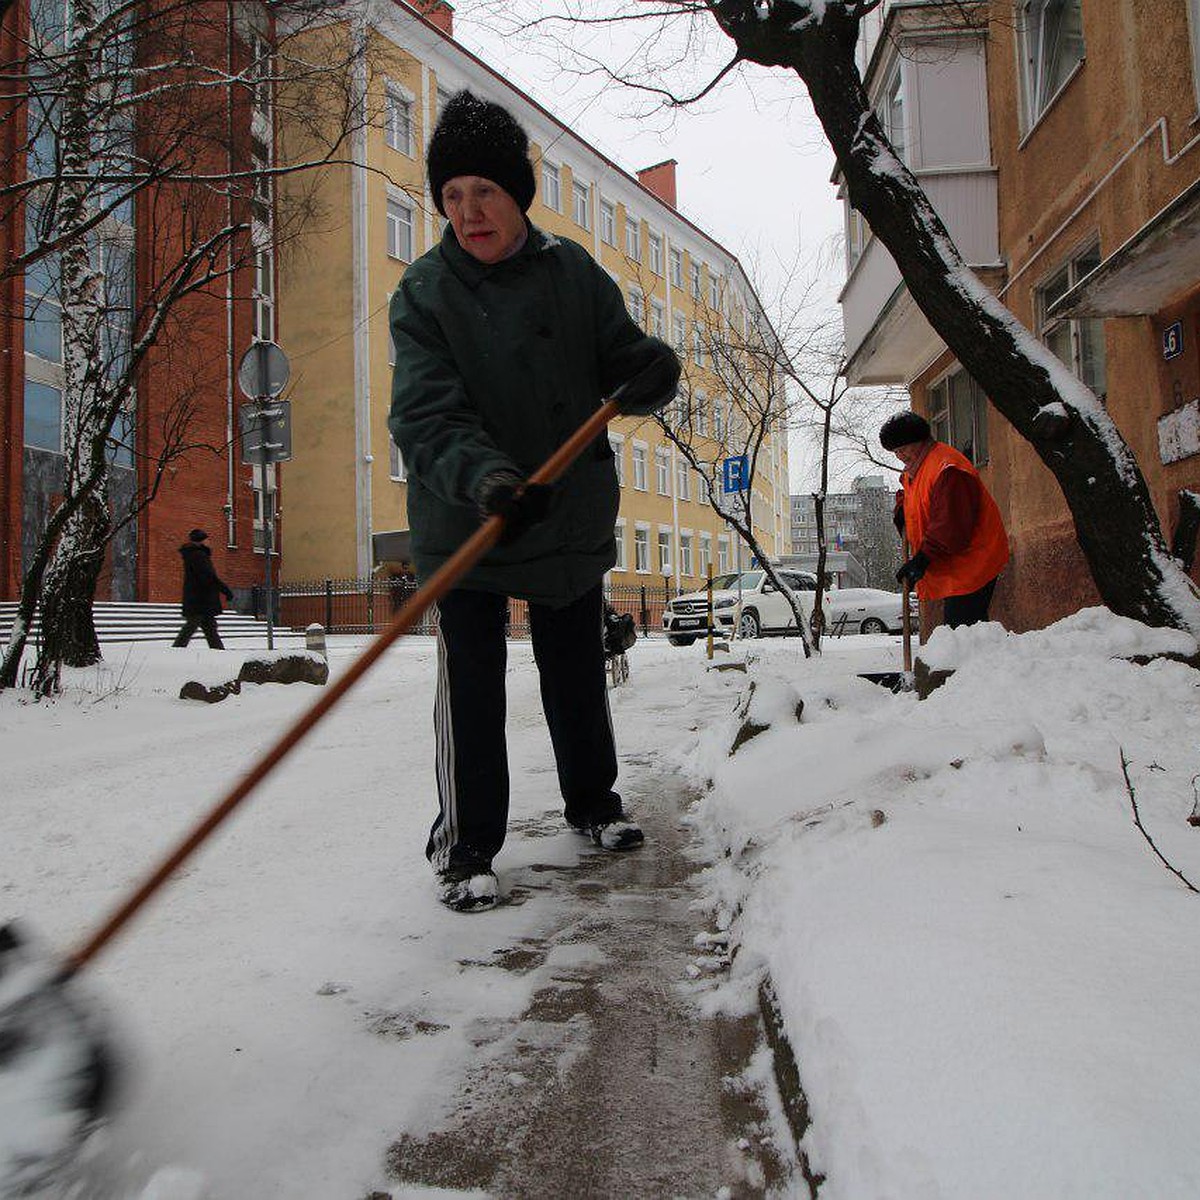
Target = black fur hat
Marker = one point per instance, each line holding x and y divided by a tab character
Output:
903	429
197	535
477	137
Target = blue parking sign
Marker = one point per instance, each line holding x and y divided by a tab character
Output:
736	473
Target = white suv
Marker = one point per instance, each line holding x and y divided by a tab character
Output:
749	599
751	604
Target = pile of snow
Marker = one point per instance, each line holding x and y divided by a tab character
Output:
988	978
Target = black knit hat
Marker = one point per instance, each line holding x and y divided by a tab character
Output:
477	137
903	429
197	535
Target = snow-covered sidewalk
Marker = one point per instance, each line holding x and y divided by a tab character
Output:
987	977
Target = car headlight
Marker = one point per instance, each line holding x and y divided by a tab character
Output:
727	602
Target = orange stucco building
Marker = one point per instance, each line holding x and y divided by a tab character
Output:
1061	144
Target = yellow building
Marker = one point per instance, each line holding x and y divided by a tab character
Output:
346	483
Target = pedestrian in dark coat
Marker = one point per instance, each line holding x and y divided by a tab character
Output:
507	339
202	591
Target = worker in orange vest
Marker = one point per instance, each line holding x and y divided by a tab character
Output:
953	526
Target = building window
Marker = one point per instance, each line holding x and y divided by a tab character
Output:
677	268
43	313
641	549
714	291
633	238
680	338
263	296
697	290
619	538
398	121
637	307
551	186
683	487
698	346
718	415
43	416
662	471
400	230
396	463
891	111
581	203
658	319
618	448
1051	40
1079	343
266	501
664	550
685	552
608	223
722	554
639	467
958	415
701	414
705	554
259	74
654	242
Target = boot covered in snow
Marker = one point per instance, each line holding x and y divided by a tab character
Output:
468	887
618	834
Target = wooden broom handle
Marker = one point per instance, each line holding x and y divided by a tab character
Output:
442	580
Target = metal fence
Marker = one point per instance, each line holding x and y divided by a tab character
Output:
367	605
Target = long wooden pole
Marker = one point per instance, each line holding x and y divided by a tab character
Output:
446	576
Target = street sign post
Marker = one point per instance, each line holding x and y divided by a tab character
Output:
266	426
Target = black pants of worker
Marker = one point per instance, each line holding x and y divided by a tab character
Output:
209	627
469	715
969	609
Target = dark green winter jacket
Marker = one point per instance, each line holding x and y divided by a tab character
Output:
495	367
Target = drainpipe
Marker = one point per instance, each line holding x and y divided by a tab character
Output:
230	457
363	458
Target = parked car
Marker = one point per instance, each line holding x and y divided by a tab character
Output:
750	605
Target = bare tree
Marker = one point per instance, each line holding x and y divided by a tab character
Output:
1064	421
148	131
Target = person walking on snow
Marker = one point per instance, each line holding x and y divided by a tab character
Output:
953	526
507	338
202	591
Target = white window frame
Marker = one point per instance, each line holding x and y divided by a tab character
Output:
719	425
398	127
617	442
714	290
698	345
676	267
683	483
608	223
397	209
396	468
658	319
705	551
666	549
581	204
622	563
637	306
263	295
633	238
662	471
1035	99
685	552
697	281
1077	330
641	466
641	548
551	185
654	244
701	414
679	332
723	566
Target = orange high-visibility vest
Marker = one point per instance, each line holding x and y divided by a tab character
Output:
985	554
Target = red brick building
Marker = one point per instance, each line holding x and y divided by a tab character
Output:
186	388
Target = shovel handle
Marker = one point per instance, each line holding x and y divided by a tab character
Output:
439	583
906	617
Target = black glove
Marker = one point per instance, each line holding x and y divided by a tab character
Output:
506	494
653	387
913	569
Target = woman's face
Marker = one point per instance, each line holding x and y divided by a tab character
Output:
487	221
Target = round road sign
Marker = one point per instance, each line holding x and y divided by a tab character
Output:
263	371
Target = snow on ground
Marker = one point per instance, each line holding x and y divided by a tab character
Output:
988	978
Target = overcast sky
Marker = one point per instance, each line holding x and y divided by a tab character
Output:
754	166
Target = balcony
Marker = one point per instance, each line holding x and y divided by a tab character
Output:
888	340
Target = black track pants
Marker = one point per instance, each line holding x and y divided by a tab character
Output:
469	714
208	625
969	609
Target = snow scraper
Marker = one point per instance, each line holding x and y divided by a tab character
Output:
57	1062
899	681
